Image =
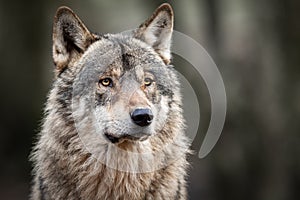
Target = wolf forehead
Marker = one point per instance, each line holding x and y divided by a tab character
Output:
122	51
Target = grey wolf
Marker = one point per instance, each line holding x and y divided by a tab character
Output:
113	125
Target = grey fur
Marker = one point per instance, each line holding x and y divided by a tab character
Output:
65	165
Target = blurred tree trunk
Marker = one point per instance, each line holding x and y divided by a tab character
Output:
22	26
259	43
279	90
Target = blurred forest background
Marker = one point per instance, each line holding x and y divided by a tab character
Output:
256	46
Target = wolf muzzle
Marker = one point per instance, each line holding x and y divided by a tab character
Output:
142	117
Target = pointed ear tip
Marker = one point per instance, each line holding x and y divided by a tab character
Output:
62	10
166	7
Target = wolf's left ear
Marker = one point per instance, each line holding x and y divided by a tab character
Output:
70	38
157	31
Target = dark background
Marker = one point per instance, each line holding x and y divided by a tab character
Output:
256	46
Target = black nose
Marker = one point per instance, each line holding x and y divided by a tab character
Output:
142	117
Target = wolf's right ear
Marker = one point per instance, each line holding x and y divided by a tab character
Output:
70	38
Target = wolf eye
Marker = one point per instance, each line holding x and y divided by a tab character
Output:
107	82
148	81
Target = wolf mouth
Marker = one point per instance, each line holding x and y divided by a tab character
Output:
111	138
119	139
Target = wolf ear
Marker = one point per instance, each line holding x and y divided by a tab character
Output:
70	38
157	31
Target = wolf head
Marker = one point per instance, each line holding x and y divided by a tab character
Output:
120	83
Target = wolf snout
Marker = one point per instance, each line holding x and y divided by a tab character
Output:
142	116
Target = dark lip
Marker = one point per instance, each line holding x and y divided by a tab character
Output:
113	139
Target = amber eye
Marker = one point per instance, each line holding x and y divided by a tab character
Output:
148	81
107	82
